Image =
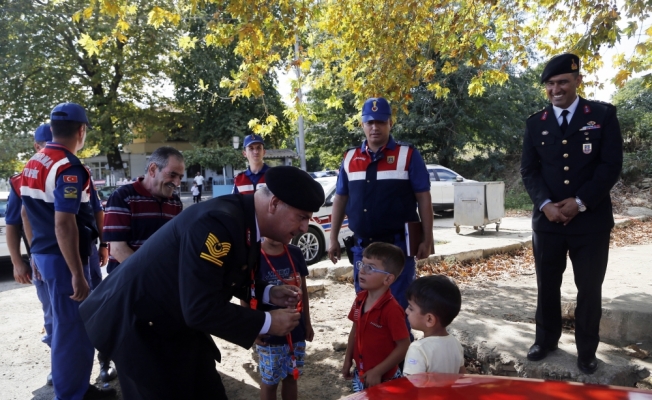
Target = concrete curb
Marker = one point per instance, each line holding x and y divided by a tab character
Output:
343	267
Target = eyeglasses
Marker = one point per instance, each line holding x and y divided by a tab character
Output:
368	269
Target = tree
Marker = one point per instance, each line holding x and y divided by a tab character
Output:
443	128
384	47
214	116
634	102
53	52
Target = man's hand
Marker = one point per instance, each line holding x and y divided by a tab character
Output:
80	288
553	213
36	273
568	208
424	250
371	378
310	333
261	340
334	251
103	252
283	321
22	272
284	295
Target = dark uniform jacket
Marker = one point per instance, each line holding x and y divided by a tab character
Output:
177	287
585	162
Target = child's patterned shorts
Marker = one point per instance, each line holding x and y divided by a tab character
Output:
359	386
275	363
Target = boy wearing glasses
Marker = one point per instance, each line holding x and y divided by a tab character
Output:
379	337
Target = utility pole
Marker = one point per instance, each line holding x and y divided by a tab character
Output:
302	142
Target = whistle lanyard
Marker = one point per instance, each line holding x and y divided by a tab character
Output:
297	281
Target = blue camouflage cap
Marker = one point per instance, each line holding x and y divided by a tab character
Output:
69	112
250	139
376	109
43	133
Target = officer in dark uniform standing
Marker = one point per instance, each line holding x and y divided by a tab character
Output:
154	315
572	157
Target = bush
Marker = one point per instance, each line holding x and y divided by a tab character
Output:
518	199
636	165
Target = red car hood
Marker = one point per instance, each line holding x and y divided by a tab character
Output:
433	386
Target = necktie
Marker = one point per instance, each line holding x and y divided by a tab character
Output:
564	121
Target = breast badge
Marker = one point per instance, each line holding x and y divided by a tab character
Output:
544	133
216	250
391	159
586	148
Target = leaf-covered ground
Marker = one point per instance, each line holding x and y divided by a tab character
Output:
521	262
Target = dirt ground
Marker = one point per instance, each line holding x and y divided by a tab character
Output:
25	361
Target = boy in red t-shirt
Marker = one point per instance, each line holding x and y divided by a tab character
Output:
379	337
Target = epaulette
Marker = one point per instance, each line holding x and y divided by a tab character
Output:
535	113
601	102
402	143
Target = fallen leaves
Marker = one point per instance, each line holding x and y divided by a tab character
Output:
521	262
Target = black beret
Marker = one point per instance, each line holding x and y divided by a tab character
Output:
295	187
561	64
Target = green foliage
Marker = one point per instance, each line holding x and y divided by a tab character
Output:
214	157
634	102
50	54
517	199
444	128
214	116
636	165
327	133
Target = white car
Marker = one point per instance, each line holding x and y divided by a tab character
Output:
316	241
441	186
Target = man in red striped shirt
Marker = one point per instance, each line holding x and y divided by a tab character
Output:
134	212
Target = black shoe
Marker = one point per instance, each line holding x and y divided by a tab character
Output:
588	366
538	353
49	379
107	373
95	393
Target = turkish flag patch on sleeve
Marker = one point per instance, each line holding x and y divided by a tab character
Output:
70	178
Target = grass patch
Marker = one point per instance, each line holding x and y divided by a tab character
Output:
517	199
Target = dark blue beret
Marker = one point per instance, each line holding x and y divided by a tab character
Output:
561	64
295	187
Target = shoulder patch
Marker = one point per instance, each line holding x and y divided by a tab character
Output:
537	112
70	192
402	143
215	250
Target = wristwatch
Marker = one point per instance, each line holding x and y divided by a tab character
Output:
580	205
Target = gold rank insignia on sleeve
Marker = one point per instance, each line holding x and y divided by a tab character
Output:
216	250
70	192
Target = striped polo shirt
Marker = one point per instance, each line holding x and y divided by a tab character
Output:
132	215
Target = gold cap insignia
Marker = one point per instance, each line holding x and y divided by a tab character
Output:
374	108
216	250
574	66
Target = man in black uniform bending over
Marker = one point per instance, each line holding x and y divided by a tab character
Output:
572	157
154	316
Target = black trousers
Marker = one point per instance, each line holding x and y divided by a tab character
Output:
589	255
154	368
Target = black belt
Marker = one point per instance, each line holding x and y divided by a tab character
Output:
364	242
